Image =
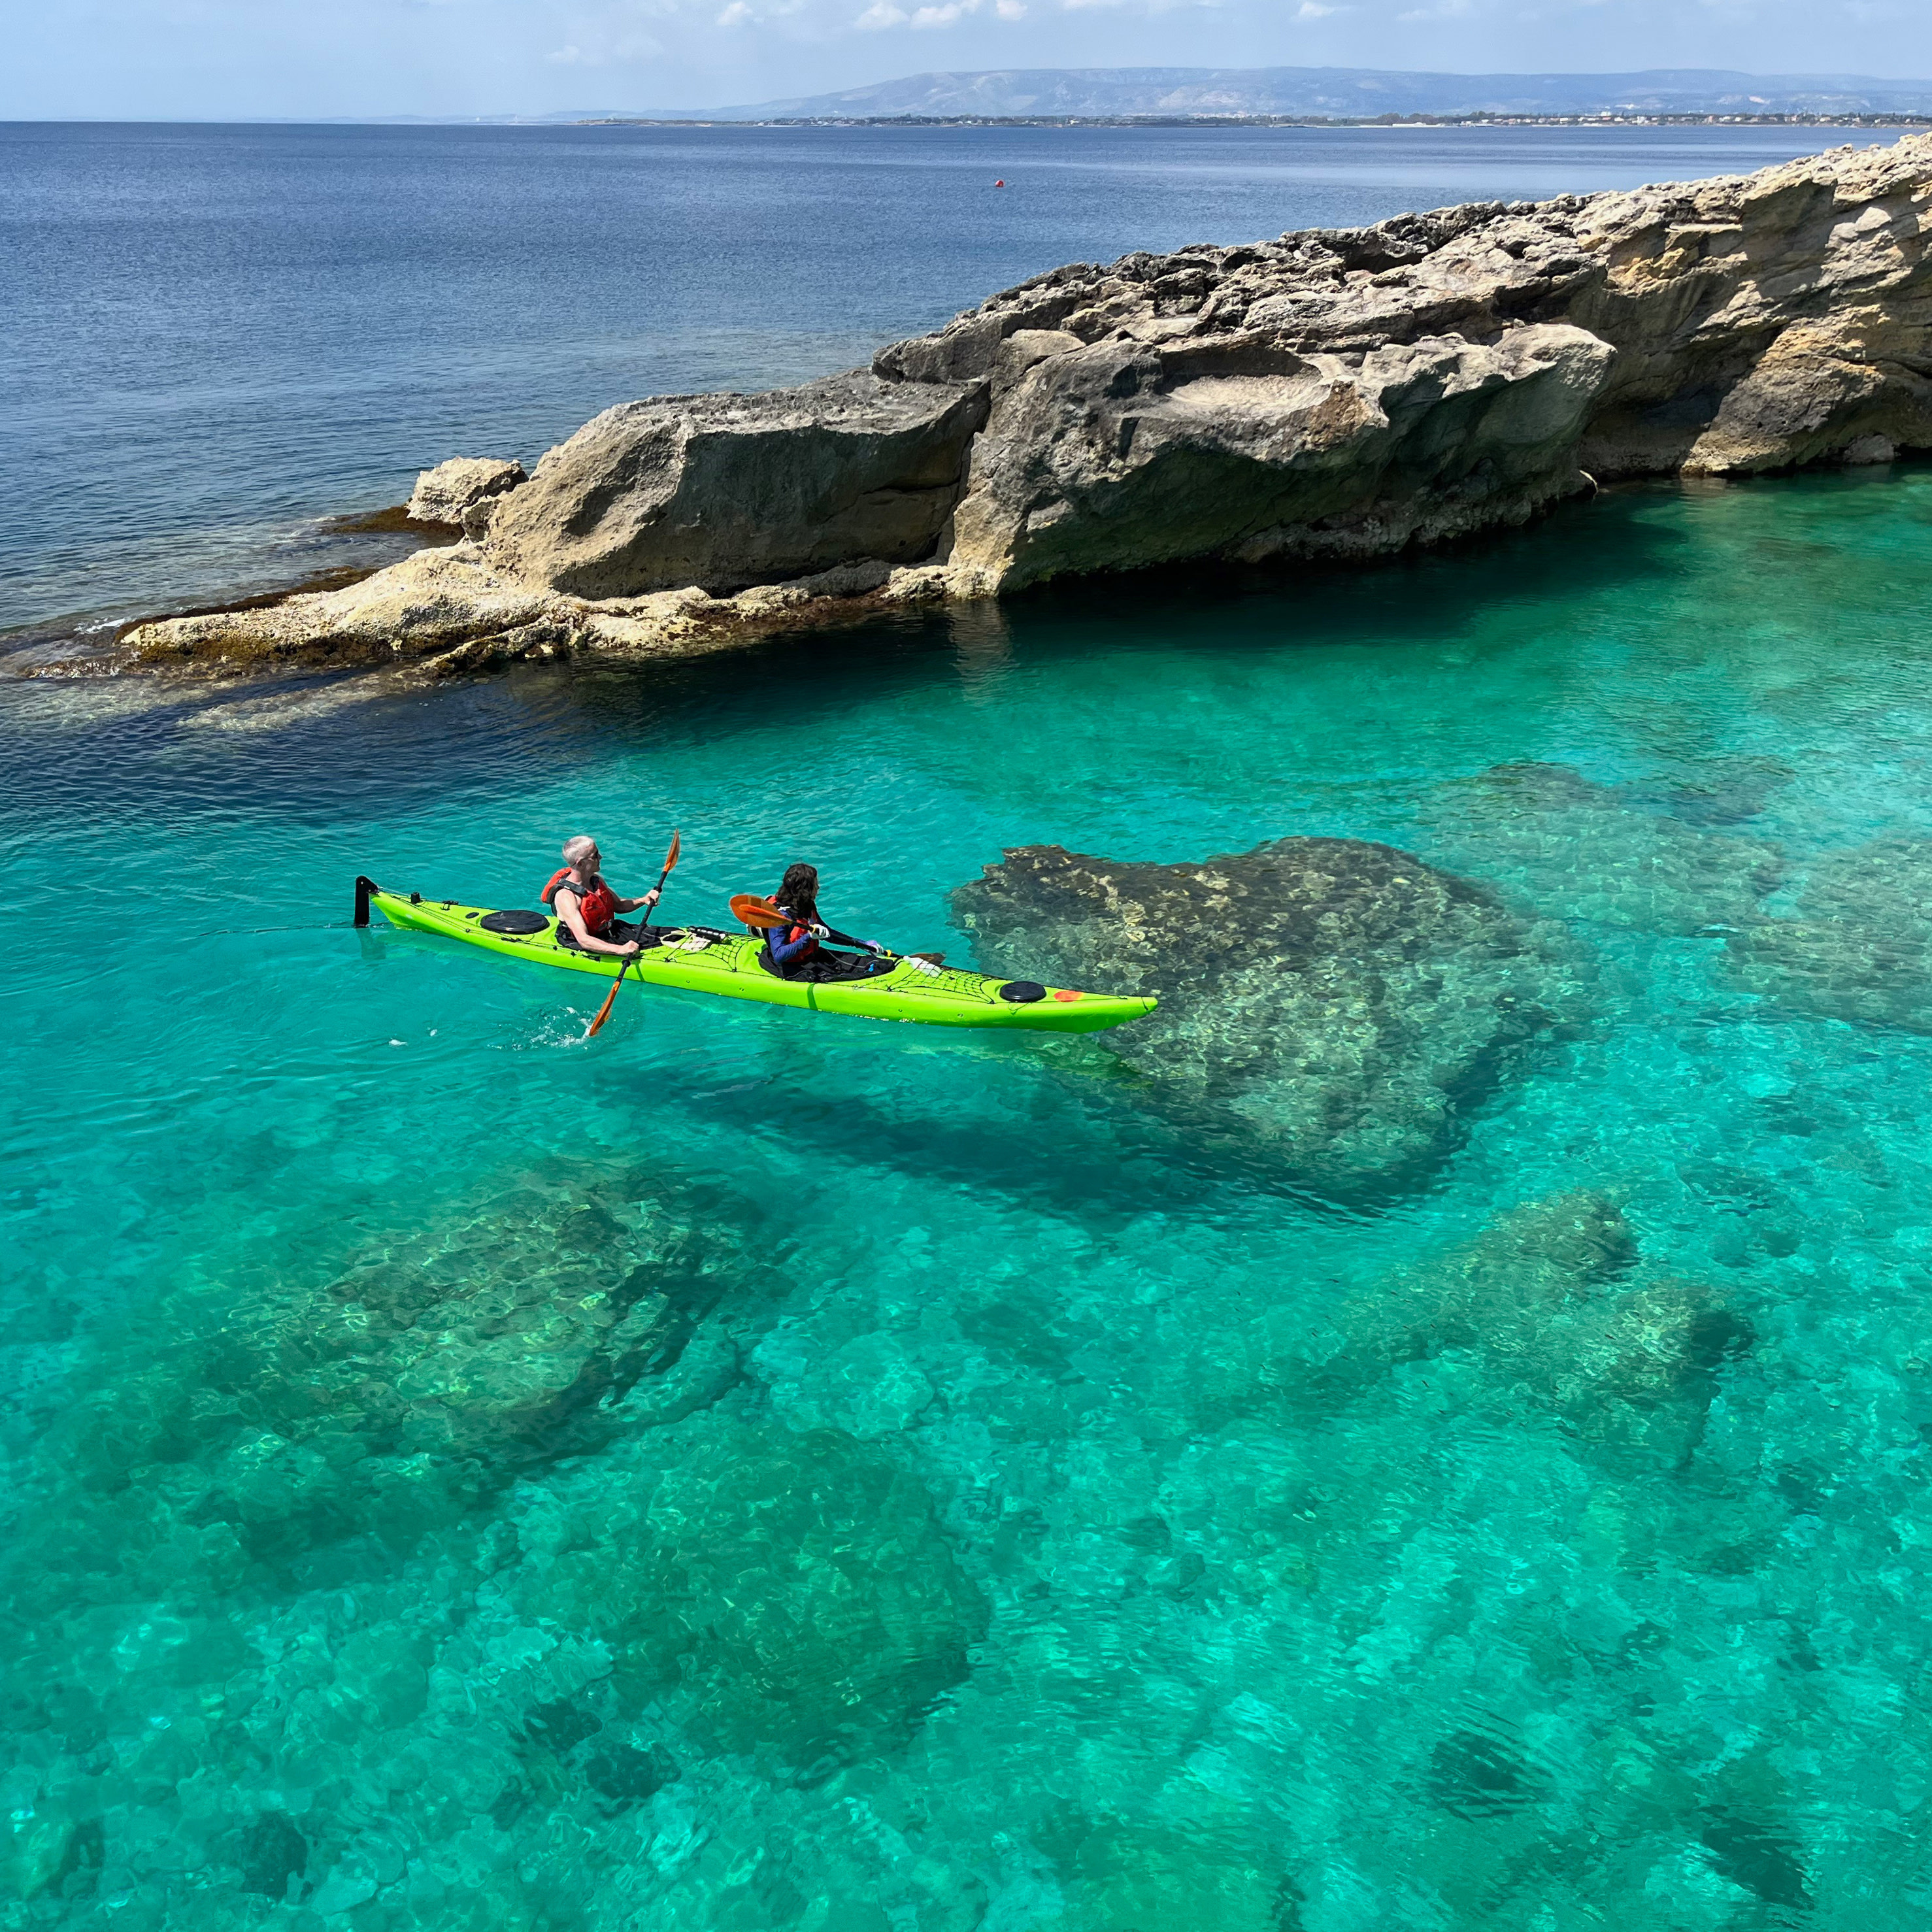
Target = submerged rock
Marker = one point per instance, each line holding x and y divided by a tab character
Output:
797	1589
409	1386
1540	1302
1341	1003
1582	851
1332	393
1117	1877
1860	948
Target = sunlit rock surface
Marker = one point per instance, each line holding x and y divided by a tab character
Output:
724	491
1341	1003
1857	945
1328	394
463	492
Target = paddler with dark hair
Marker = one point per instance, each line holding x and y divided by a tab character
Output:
586	908
796	949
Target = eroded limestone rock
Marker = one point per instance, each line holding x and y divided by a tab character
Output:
1333	393
724	491
1340	1004
463	491
447	611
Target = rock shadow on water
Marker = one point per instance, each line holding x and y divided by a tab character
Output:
1340	1006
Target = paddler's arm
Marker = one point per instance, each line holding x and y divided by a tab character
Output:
650	899
784	950
570	910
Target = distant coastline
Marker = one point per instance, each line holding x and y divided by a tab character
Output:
1440	121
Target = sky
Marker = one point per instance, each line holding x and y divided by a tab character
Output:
247	59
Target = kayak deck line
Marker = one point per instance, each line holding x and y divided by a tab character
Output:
705	959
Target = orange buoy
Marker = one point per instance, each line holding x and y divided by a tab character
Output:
999	184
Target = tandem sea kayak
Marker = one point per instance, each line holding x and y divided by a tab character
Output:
701	959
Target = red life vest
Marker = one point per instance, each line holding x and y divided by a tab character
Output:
598	906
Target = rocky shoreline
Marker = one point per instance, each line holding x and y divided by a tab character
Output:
1336	394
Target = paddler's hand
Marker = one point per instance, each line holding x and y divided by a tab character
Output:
872	946
820	932
631	948
651	897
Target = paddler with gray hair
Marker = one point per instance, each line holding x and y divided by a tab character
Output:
586	908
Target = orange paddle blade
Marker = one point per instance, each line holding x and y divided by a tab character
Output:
609	1000
671	857
603	1011
749	909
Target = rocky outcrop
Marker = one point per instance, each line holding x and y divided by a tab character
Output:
462	493
1337	1007
446	611
1336	393
724	491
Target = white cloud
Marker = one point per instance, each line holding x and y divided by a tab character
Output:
946	13
735	15
1309	11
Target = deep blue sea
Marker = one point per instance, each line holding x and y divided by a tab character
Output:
764	1472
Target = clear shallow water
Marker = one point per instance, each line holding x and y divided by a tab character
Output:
758	1471
216	337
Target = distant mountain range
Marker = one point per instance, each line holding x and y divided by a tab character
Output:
1341	91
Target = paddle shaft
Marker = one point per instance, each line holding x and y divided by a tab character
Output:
610	997
763	916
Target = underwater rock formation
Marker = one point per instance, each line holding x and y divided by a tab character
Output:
797	1588
1542	1302
1335	393
1860	948
1340	1003
416	1382
1600	853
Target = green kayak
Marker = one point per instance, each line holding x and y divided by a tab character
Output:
704	960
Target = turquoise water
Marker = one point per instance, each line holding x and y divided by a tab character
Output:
757	1470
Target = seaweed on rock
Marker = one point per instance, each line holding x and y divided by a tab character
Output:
1341	1004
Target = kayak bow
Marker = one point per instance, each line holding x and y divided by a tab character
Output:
702	960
